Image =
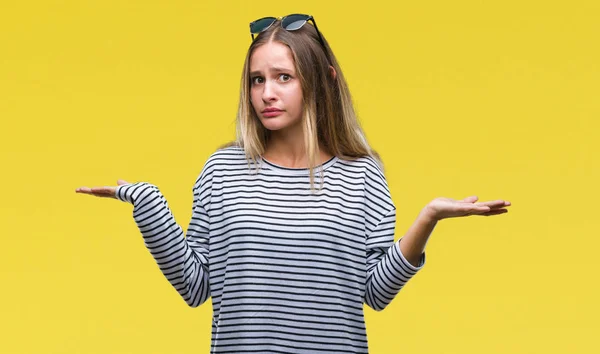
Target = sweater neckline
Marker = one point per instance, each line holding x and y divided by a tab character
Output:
297	171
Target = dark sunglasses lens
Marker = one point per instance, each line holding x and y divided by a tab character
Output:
261	24
294	22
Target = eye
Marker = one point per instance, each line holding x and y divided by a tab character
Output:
256	80
285	77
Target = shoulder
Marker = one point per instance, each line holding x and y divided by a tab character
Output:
369	171
230	154
369	166
228	158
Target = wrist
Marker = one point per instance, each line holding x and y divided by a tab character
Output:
428	215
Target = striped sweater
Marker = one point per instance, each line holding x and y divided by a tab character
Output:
288	269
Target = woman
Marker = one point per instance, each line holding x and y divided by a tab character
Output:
293	224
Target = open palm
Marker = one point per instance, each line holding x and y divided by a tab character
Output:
103	192
442	208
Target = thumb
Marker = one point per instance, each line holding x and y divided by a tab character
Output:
471	199
122	181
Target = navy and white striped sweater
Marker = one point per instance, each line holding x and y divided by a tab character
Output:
288	270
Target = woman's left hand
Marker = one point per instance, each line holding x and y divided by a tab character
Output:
442	208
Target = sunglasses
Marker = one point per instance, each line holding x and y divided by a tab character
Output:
289	23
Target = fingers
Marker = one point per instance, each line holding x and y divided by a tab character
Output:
495	212
83	190
91	190
495	203
492	203
98	191
480	210
101	191
472	209
489	212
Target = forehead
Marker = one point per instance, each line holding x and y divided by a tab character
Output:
271	55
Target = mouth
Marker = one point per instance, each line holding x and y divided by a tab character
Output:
271	113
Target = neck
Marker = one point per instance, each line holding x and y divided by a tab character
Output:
287	149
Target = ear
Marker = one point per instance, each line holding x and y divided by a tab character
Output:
332	72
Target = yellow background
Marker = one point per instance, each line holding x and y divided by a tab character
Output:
497	99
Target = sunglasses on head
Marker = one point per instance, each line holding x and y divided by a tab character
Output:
289	23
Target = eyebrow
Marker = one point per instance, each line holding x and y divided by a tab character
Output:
272	69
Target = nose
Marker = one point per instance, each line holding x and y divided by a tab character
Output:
268	94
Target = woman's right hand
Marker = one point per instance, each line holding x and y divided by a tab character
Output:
103	192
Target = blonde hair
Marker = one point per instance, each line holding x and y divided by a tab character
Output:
329	119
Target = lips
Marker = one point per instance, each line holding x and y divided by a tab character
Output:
271	109
270	113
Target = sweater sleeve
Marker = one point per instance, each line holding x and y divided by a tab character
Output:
387	268
183	261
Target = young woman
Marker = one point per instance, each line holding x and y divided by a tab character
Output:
293	224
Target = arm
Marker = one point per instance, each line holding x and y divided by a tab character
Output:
414	241
388	270
183	261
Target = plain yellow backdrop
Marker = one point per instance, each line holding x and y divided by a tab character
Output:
498	99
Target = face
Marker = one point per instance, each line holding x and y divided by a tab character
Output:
275	86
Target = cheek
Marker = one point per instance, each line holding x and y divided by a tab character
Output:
295	97
255	98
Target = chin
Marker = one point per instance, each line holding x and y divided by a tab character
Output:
273	127
274	124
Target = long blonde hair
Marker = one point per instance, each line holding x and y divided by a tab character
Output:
329	119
